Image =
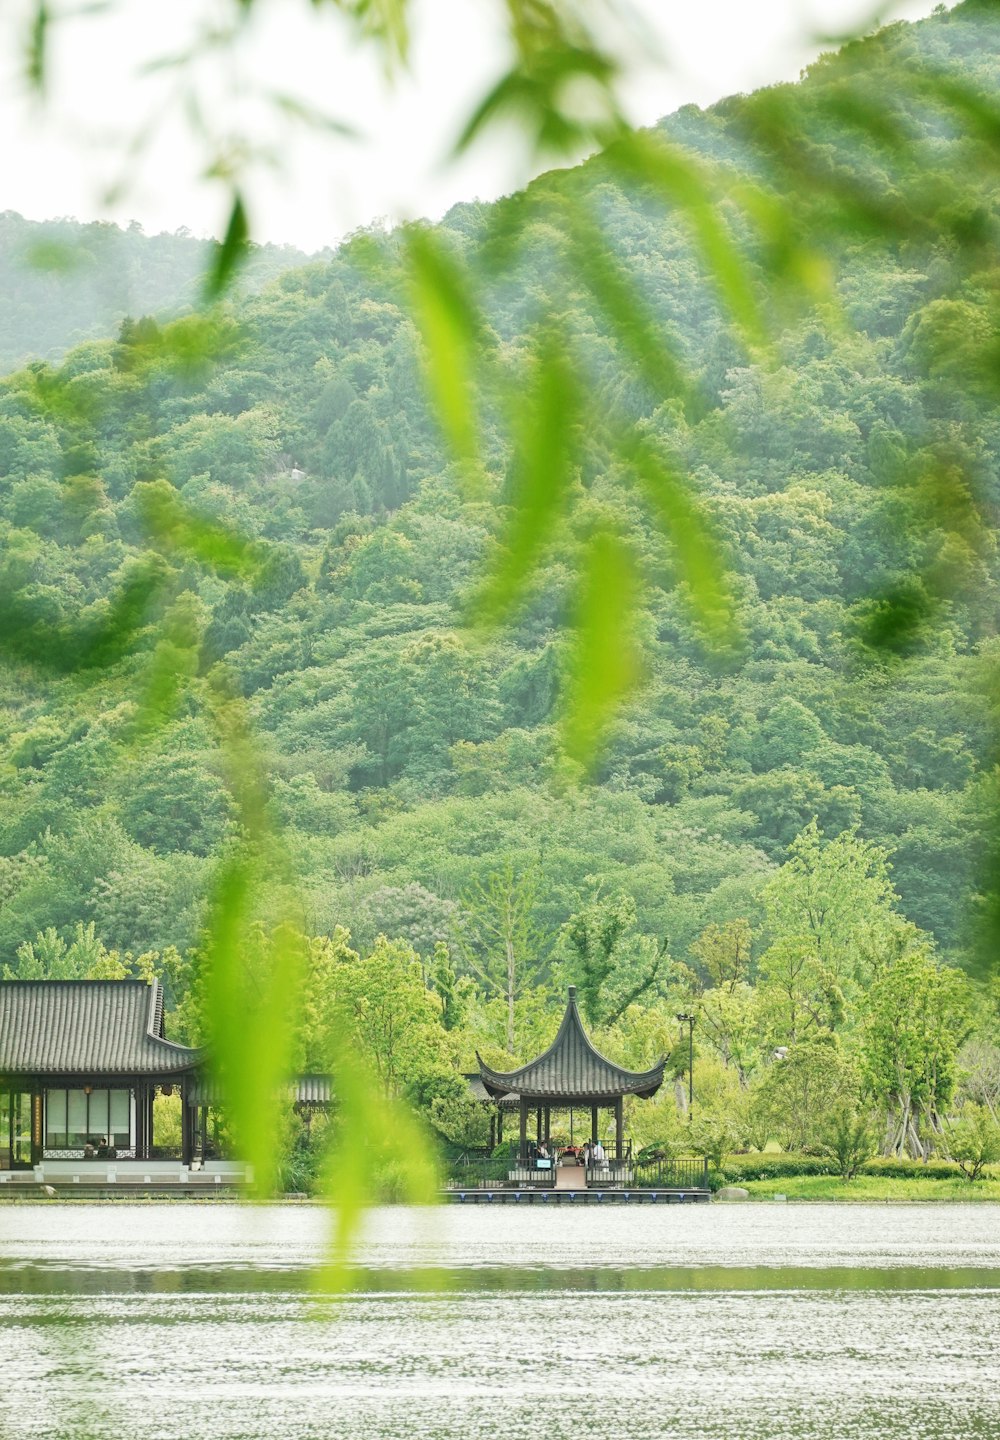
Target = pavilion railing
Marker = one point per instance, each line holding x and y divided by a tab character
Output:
77	1154
686	1174
611	1172
497	1172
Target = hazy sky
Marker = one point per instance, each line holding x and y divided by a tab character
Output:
63	158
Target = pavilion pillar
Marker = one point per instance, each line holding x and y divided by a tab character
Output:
141	1128
538	1126
493	1131
144	1092
499	1125
547	1130
187	1128
522	1106
37	1132
619	1129
593	1124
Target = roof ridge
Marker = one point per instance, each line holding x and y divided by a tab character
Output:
128	980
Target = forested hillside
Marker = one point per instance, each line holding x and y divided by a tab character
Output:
62	282
412	761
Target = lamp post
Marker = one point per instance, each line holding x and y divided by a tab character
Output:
689	1021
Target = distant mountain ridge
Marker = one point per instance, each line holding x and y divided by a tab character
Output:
65	281
407	765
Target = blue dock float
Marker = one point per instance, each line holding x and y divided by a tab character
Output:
577	1197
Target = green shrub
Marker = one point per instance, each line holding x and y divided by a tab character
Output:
974	1140
849	1140
895	1169
740	1168
390	1183
714	1136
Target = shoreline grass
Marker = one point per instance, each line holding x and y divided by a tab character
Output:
874	1189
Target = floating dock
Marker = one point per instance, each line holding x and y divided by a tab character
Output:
576	1197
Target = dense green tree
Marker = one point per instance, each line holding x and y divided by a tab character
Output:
613	964
916	1016
804	1091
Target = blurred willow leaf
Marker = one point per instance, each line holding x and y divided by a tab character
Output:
175	662
177	60
312	116
106	640
815	174
697	554
621	300
100	637
866	112
373	1131
452	330
57	397
386	21
251	999
532	97
37	47
543	424
603	665
56	256
977	109
555	56
231	253
788	260
187	347
896	621
173	526
680	178
252	974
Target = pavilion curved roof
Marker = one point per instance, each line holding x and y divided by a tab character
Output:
87	1027
572	1069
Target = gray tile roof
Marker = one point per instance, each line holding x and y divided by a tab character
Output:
478	1091
571	1070
86	1027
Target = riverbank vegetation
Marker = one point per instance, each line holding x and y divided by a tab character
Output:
789	840
873	1188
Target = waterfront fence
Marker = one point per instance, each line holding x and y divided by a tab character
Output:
500	1172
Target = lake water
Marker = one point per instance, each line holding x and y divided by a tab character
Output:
757	1320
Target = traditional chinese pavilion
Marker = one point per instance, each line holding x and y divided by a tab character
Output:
80	1064
571	1074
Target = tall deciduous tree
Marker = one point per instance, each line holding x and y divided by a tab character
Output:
614	965
503	944
831	912
916	1016
379	1004
802	1090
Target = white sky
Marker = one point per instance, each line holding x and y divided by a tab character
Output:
62	159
